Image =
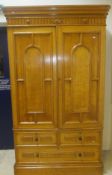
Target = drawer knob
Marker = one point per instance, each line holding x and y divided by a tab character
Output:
80	154
36	139
80	138
37	155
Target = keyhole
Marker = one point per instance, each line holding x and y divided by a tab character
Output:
36	139
80	138
80	154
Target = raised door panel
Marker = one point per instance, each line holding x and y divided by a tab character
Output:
35	69
79	71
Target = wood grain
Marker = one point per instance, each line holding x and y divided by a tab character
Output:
57	70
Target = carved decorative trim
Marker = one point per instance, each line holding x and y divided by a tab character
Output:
56	15
68	20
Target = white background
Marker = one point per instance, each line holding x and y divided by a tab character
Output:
107	141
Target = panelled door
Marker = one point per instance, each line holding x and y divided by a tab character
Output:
56	86
79	60
36	85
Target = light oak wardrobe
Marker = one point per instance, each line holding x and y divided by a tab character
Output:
57	61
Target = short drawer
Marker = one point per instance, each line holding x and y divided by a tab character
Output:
79	154
35	138
88	137
92	137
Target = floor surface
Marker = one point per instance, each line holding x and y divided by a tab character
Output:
7	159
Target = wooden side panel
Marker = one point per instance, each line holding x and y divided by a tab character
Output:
35	69
79	67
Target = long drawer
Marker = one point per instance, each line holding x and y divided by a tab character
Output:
35	138
53	155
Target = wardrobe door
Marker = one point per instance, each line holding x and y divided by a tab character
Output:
33	61
79	70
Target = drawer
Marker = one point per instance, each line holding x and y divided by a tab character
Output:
88	137
77	154
35	138
92	137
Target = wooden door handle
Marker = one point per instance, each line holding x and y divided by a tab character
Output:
48	80
20	80
80	154
68	79
36	139
80	138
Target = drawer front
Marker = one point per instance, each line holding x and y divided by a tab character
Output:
34	138
71	138
88	137
92	137
34	155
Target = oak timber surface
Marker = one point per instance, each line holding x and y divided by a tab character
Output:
57	77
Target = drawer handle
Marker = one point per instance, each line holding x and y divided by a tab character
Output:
37	155
80	138
36	139
48	80
80	154
68	79
20	80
